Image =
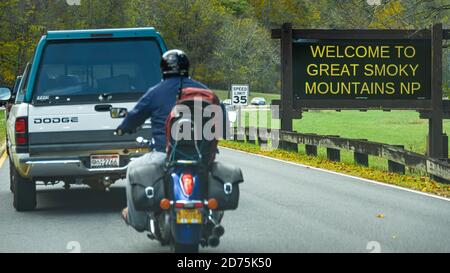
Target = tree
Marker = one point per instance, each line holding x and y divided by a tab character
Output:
273	13
192	26
239	8
246	54
227	40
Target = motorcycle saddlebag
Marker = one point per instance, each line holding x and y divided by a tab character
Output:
223	185
147	186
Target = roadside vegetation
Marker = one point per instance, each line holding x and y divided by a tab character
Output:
415	182
228	41
396	127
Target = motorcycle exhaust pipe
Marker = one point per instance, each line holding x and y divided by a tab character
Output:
213	241
218	230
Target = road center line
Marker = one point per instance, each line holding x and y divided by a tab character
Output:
2	159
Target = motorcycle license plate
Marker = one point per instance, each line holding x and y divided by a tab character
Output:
189	216
105	161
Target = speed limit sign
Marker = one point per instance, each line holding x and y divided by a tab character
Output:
239	94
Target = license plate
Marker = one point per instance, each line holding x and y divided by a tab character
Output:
189	216
105	161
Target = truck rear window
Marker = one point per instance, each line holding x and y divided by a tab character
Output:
81	70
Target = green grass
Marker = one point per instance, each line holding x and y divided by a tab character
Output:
2	128
223	94
396	127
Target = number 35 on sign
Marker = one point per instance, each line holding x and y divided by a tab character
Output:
239	94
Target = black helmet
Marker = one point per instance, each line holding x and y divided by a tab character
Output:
174	63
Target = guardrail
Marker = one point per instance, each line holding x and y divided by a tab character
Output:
396	155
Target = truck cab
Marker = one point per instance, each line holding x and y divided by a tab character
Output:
59	127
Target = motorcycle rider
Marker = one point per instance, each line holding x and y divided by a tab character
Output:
156	104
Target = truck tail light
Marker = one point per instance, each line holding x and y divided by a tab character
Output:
21	127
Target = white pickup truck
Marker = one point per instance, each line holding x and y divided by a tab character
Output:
59	127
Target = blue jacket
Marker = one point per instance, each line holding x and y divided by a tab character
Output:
157	104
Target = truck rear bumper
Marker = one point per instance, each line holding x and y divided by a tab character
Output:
62	167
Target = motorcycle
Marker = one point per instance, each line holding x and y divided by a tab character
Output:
187	218
188	215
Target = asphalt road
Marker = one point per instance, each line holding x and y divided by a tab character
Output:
283	208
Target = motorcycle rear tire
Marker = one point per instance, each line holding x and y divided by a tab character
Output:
182	248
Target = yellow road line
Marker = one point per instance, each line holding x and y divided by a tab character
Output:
3	158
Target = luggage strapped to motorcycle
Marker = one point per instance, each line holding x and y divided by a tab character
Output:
198	148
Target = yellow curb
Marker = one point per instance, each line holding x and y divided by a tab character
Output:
3	155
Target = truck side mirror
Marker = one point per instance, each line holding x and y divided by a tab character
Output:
5	94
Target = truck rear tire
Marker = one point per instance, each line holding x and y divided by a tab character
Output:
24	191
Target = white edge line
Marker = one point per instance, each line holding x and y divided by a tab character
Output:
345	175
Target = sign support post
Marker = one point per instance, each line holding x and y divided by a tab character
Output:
435	122
287	93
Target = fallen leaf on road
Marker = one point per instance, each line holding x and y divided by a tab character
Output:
380	215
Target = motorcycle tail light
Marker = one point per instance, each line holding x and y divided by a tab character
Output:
188	183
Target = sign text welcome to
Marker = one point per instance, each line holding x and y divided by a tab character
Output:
362	69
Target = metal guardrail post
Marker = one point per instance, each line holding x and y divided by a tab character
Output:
395	167
334	154
311	150
252	135
361	159
240	134
263	136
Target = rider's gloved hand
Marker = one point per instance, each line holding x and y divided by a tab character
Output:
119	132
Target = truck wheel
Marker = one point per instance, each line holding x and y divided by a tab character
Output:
24	191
